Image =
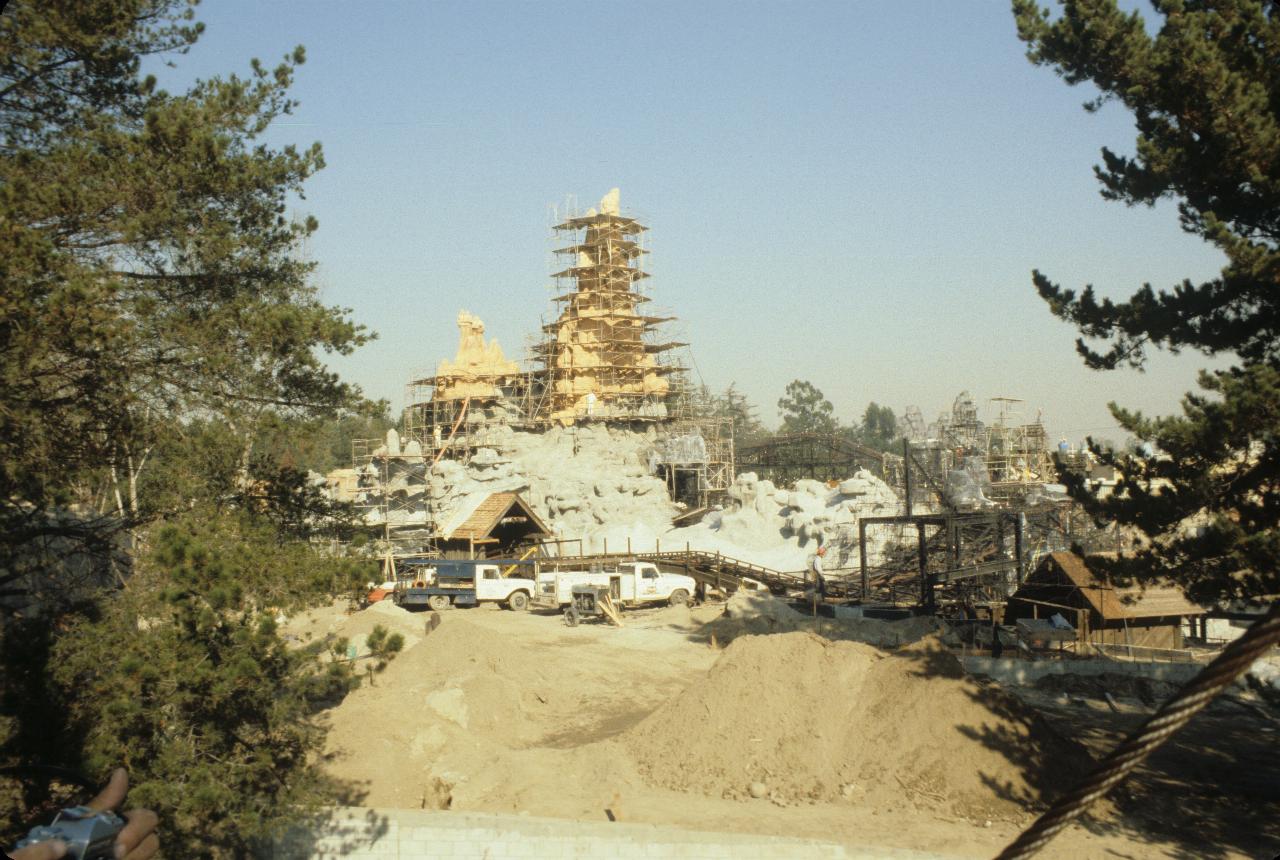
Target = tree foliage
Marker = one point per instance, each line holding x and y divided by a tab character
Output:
147	260
734	404
383	647
805	409
1204	91
162	392
184	680
879	427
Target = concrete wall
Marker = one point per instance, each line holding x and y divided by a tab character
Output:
1025	672
384	834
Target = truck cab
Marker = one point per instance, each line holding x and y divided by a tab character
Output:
491	585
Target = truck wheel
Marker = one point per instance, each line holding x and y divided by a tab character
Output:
571	616
438	602
679	597
519	601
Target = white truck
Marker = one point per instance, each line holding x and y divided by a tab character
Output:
439	584
631	583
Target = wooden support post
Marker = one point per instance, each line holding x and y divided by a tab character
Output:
1018	526
906	473
926	587
862	556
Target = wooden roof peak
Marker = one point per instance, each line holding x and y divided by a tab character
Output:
1110	601
491	512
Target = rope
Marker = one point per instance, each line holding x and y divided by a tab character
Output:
1172	715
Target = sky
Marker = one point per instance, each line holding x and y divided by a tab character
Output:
850	193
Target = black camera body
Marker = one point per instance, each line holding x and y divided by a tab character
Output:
89	834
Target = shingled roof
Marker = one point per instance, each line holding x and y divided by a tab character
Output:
1107	600
492	511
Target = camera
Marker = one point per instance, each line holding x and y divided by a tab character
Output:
89	834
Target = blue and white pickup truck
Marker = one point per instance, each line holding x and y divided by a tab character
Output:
440	583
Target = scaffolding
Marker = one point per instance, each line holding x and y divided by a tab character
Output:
695	456
600	356
1017	454
1008	459
390	490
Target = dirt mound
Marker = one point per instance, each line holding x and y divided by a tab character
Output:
679	617
336	621
759	612
746	605
799	718
459	687
384	613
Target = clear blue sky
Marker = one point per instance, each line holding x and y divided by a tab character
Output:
849	193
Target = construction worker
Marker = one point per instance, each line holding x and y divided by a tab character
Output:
818	589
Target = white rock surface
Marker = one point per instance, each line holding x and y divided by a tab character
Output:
780	529
592	483
586	482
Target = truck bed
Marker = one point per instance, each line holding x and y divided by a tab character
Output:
420	596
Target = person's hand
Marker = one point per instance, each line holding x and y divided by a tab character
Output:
137	840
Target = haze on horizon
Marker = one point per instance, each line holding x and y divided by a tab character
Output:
852	194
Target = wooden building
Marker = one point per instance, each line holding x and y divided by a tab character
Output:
501	526
1102	614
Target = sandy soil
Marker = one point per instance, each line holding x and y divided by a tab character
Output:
516	713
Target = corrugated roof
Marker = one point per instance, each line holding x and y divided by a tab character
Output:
1116	603
490	512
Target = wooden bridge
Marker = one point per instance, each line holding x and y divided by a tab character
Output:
707	568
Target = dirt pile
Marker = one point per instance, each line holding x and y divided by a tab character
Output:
747	605
459	687
799	718
475	716
759	612
337	621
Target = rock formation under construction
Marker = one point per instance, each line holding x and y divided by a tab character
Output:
597	356
598	359
602	390
479	369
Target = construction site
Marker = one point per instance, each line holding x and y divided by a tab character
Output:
842	650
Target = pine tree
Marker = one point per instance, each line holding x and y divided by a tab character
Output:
156	321
148	270
1204	91
734	404
184	679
